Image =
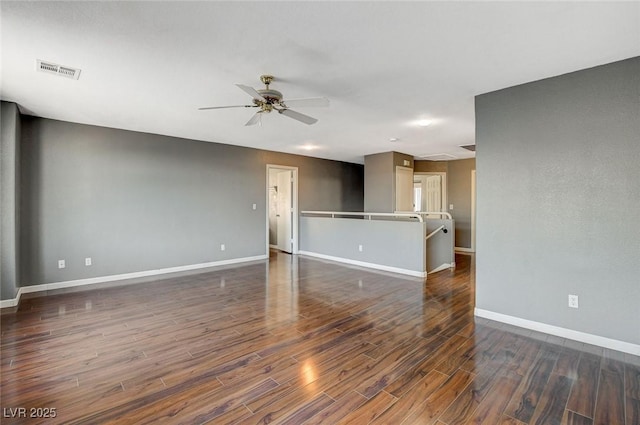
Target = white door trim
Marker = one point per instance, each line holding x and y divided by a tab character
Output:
294	205
397	190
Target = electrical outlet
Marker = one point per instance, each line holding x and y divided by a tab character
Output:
360	248
222	247
451	207
573	301
61	264
254	206
87	261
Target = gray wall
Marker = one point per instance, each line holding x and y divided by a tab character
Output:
421	166
380	180
136	201
323	184
9	200
459	194
558	196
399	244
440	248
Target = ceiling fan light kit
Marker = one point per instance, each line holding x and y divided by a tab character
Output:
268	100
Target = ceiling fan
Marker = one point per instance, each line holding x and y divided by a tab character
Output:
268	100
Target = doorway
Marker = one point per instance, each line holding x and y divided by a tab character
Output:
430	192
282	208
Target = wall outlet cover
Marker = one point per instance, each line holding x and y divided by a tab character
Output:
573	301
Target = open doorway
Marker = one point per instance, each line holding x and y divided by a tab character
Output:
282	208
430	192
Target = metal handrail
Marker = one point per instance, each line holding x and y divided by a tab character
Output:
442	213
436	231
366	214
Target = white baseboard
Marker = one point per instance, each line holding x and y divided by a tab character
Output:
460	249
443	267
600	341
113	278
12	302
365	264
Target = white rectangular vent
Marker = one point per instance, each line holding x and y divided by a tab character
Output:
52	68
438	157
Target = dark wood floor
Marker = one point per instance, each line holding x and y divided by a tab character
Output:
300	341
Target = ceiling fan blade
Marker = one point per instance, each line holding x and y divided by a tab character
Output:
251	92
255	118
307	102
225	107
298	116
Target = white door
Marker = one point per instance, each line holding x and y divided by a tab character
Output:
404	189
284	214
433	193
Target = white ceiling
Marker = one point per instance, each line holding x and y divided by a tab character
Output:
383	65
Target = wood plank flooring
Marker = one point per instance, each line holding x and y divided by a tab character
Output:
299	341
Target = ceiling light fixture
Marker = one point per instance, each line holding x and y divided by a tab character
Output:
394	139
424	123
309	147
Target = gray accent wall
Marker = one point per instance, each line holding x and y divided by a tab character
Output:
9	200
558	201
136	202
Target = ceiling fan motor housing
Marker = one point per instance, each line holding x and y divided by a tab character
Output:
272	96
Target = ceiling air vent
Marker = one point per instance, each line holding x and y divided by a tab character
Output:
438	157
471	148
52	68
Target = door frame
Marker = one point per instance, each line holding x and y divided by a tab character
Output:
443	175
395	186
294	206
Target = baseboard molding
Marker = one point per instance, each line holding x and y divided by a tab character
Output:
443	267
11	302
600	341
464	250
365	264
113	278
